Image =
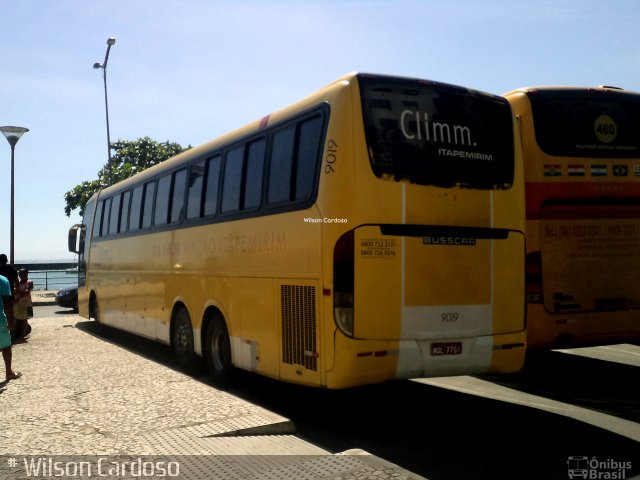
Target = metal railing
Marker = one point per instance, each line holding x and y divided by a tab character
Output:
51	276
53	279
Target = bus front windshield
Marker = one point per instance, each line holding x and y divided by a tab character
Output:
437	134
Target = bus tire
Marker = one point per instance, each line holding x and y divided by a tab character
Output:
218	352
182	339
94	312
93	308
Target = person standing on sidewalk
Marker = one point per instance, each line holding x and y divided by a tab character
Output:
10	273
5	335
7	271
21	305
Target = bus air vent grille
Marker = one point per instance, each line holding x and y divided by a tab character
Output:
299	325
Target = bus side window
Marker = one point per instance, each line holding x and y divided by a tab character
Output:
212	185
254	174
281	166
232	182
161	214
194	195
115	215
124	216
98	221
147	206
178	191
136	208
104	231
308	154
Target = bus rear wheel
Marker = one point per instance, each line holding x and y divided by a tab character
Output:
218	352
182	339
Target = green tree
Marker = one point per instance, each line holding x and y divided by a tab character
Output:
128	158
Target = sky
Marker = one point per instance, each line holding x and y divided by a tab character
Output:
187	71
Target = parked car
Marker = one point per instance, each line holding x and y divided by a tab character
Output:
68	297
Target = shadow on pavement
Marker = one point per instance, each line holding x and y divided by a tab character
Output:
606	387
440	433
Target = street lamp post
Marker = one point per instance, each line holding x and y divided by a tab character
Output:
110	42
12	134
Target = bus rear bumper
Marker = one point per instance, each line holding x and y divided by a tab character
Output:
465	356
363	362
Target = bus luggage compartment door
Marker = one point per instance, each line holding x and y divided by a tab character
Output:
430	282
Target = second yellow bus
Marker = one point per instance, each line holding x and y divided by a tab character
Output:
581	152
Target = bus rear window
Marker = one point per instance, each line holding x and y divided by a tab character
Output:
437	134
586	123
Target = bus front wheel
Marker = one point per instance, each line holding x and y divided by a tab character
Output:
94	312
218	352
93	309
182	339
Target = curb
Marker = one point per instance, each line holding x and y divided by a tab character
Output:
43	297
42	303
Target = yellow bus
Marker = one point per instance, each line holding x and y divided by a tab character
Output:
372	231
581	153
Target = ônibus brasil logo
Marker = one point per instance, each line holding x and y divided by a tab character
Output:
595	468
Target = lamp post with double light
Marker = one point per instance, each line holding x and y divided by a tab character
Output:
12	134
110	42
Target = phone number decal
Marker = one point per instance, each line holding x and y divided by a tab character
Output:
378	248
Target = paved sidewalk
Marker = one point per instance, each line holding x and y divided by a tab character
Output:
83	396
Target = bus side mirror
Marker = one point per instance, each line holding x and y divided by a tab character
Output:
74	245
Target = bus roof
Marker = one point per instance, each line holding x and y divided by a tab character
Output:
559	88
301	105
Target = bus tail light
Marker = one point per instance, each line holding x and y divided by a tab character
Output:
533	277
343	283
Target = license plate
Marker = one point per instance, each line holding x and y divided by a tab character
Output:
450	348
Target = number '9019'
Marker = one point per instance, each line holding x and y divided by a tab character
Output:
449	317
331	156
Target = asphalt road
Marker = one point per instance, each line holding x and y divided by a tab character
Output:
460	427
